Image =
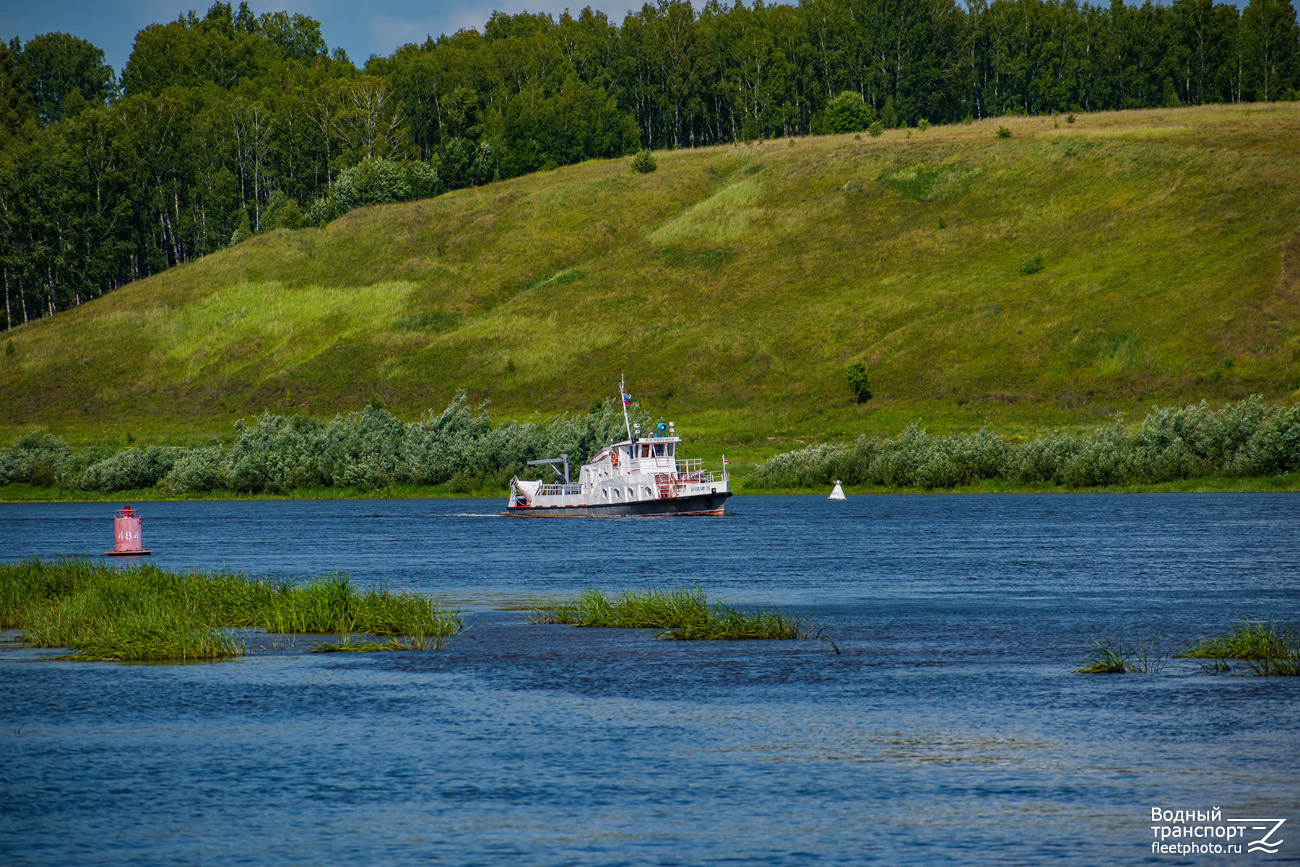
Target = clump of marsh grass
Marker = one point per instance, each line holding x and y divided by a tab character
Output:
146	613
1144	657
331	605
1251	639
1280	666
151	643
1104	659
651	609
682	614
1268	650
733	624
1139	656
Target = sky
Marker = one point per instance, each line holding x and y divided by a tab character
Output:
360	27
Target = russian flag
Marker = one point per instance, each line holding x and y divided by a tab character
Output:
627	399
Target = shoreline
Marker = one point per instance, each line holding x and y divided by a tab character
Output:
1287	483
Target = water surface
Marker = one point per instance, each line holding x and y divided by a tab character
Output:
948	730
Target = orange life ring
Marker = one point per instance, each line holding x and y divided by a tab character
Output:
613	458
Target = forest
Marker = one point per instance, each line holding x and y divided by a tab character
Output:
226	124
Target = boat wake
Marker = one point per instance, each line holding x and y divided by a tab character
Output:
440	515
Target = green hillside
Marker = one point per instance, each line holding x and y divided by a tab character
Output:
734	285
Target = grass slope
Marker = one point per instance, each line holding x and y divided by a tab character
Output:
734	285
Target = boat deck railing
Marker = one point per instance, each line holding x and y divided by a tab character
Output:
560	490
692	470
690	466
700	476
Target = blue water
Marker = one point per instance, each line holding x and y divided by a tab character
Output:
949	728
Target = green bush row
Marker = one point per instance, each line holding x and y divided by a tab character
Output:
372	448
1242	439
367	449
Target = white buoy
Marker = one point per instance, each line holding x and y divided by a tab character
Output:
838	493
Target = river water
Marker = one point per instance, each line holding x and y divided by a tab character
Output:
947	729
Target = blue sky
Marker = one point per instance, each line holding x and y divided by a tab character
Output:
361	28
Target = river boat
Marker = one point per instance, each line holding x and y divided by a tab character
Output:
640	476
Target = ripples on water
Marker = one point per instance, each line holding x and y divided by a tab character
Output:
948	730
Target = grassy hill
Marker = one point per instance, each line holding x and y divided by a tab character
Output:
734	285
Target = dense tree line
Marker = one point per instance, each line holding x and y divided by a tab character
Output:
227	124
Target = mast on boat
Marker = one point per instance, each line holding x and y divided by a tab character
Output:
625	398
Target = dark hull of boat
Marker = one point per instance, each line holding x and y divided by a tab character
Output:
702	504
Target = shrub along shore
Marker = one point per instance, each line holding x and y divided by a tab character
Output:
144	613
368	450
1243	440
459	452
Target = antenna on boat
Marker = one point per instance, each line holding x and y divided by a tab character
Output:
626	399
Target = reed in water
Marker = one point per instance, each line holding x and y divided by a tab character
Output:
144	613
683	614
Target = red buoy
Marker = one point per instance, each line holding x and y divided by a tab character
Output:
126	535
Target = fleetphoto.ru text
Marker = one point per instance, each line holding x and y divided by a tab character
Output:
1207	832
